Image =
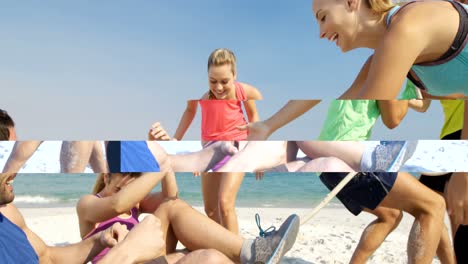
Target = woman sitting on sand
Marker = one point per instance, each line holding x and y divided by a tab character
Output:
122	197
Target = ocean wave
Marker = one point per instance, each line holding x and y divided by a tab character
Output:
36	199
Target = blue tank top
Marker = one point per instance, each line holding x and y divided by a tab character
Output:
14	245
449	74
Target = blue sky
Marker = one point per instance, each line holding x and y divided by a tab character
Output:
108	69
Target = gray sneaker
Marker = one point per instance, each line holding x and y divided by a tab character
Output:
391	155
270	248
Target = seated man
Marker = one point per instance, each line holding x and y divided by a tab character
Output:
24	246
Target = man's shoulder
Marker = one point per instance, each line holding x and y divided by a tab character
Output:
11	212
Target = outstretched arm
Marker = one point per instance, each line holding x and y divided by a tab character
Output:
292	110
93	209
295	108
186	120
22	151
356	87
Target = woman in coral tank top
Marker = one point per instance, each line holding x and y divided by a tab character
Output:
222	113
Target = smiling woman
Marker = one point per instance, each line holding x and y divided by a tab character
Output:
405	42
222	113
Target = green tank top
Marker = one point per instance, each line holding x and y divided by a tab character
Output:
350	120
354	119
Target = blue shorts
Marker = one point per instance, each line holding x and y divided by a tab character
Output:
365	190
130	156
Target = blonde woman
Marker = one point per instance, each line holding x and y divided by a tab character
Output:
222	112
122	197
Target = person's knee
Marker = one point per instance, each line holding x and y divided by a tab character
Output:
226	205
334	164
172	204
434	207
390	216
211	211
212	256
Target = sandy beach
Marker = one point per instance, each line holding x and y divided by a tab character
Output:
330	237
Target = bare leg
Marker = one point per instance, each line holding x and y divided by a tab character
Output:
266	154
204	256
210	188
291	166
22	151
97	160
445	250
454	226
427	207
376	232
75	155
201	160
204	159
230	184
348	151
171	258
196	231
330	164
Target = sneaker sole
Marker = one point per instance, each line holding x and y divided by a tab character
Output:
287	241
405	154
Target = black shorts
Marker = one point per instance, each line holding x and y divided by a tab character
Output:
365	190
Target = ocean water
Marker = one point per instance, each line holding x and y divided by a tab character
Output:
298	190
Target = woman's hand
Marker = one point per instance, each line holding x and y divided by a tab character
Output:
157	132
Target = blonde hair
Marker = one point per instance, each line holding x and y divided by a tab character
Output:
221	57
100	184
380	6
